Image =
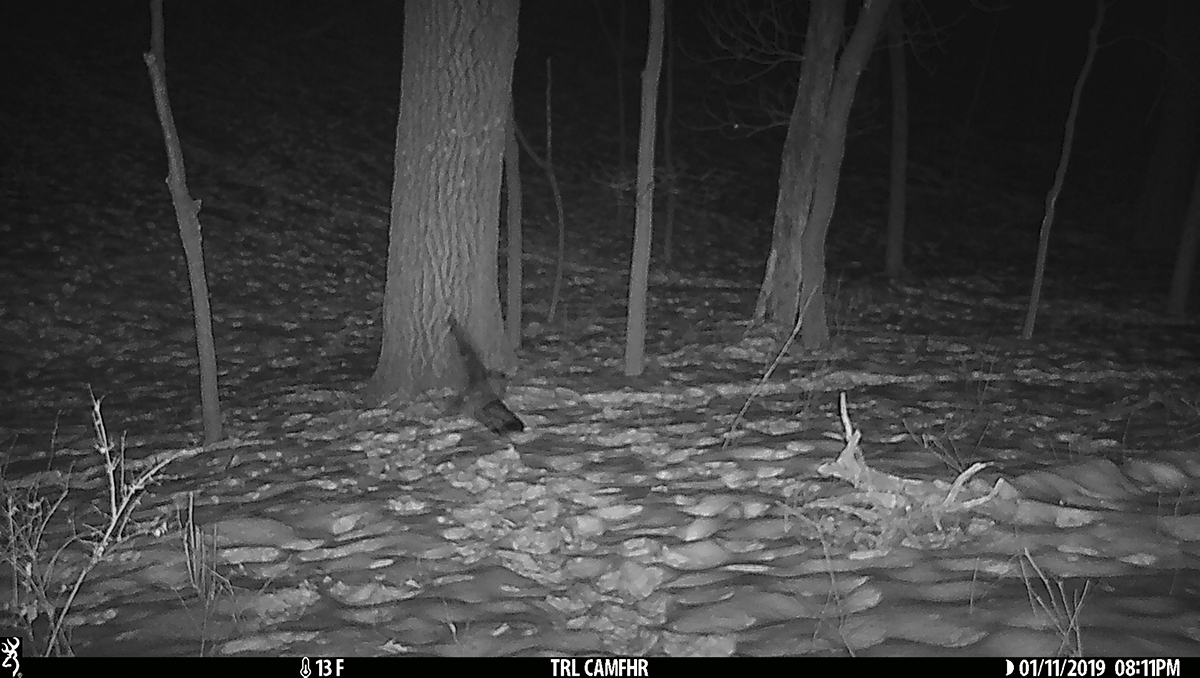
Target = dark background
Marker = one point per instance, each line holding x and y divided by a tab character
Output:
239	69
287	114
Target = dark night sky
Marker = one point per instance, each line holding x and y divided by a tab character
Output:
1036	49
1032	52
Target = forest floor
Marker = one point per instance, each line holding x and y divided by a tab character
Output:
721	504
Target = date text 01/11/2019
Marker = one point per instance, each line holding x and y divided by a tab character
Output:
1051	667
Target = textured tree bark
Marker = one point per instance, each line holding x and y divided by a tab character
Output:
512	183
779	297
793	286
455	91
639	267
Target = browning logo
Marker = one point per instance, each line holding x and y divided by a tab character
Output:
10	647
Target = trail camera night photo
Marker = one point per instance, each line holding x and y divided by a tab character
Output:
600	333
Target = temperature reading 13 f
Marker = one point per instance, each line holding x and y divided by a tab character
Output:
327	668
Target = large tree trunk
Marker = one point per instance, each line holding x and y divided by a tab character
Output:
512	183
793	286
1166	189
455	90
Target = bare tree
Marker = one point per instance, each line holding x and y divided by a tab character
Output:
1185	258
187	213
635	332
455	92
1060	175
617	46
898	184
793	287
1164	198
670	173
